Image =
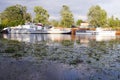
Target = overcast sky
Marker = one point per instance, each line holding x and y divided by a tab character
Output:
79	8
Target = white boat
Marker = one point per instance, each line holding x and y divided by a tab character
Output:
98	31
86	32
31	29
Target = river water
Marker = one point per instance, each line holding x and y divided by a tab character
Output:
63	57
33	38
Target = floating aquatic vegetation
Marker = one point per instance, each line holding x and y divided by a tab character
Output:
67	43
10	50
97	54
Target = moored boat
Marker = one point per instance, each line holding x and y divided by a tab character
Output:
88	32
98	31
32	29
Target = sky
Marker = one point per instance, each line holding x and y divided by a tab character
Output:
79	8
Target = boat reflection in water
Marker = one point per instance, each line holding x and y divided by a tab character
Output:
34	38
86	38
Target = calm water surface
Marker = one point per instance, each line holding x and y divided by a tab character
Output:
63	57
33	38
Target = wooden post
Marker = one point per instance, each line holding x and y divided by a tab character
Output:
73	31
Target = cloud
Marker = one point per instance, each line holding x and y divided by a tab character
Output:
79	8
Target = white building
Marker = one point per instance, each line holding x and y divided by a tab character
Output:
84	25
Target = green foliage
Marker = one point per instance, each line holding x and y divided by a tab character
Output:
78	22
17	15
2	26
75	61
67	43
66	17
17	55
28	17
10	50
42	15
14	15
55	23
97	17
113	22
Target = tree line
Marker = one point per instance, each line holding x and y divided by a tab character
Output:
18	15
97	17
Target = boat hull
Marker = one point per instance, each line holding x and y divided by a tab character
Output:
98	31
86	32
112	33
40	31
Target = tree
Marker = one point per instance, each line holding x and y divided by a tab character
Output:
67	19
42	15
117	22
97	17
28	17
1	26
78	22
14	15
0	18
111	22
55	23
